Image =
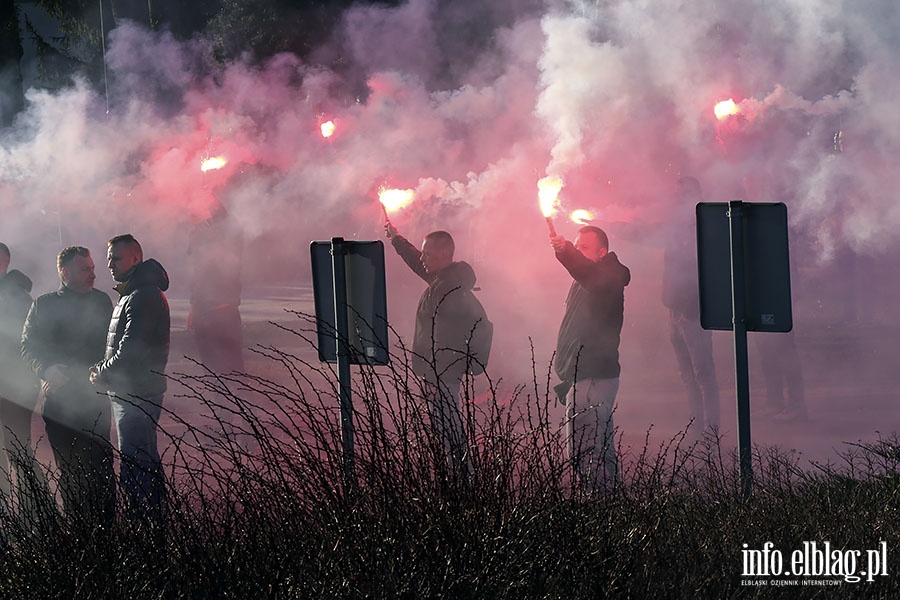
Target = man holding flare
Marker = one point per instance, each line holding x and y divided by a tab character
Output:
587	352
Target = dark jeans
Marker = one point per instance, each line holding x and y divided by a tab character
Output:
219	336
17	459
782	371
140	469
694	352
84	458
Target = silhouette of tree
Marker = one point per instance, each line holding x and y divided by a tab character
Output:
12	97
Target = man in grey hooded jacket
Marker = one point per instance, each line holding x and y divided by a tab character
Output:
447	320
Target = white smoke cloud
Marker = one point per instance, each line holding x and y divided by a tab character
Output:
615	96
618	90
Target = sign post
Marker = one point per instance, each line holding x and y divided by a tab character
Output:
342	332
741	363
351	319
746	245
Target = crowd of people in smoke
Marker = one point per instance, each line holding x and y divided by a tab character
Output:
91	364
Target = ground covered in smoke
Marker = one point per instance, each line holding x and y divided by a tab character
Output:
850	401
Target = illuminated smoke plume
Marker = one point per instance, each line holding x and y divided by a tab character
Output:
615	97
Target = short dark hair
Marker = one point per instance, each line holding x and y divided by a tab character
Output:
691	183
601	235
127	239
67	255
4	250
444	238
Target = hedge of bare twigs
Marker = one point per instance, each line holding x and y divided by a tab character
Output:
260	505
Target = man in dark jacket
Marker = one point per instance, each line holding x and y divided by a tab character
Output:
447	318
215	256
681	295
137	351
64	335
587	352
693	346
18	390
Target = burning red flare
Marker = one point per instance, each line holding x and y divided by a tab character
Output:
393	199
582	216
725	109
548	192
213	163
327	128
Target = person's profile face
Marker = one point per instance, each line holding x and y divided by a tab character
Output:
120	258
589	245
687	190
434	256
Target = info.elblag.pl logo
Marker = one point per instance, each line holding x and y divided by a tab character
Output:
827	565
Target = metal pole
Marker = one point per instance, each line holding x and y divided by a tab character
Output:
103	50
343	356
739	314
